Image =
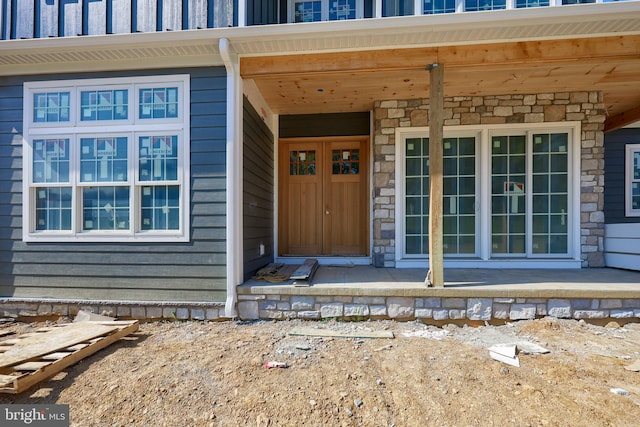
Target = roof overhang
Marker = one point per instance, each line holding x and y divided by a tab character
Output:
195	48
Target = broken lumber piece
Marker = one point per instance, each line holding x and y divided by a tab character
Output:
39	356
321	332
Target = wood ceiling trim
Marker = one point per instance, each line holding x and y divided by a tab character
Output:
622	119
605	49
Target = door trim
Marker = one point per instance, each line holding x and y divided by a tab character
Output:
364	259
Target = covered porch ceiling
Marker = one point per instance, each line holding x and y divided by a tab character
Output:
351	81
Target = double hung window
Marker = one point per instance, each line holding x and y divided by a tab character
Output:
107	159
632	180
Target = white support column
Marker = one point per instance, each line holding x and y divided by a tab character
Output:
234	176
242	13
417	7
377	13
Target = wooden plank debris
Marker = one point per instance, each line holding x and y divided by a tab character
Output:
42	355
38	345
304	274
320	332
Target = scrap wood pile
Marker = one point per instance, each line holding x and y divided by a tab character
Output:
273	273
27	359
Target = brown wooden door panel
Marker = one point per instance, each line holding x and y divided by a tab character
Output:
323	197
346	220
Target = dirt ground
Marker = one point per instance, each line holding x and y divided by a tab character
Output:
213	374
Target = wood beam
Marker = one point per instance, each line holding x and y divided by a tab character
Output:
622	119
596	50
435	277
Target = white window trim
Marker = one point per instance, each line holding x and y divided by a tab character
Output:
131	128
291	11
484	259
628	179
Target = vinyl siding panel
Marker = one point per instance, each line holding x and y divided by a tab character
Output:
186	271
622	246
258	198
622	233
614	170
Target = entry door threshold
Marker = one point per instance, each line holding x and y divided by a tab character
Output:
326	261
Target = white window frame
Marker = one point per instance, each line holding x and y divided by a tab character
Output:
483	258
325	10
132	128
630	149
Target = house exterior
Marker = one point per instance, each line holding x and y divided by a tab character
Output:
164	150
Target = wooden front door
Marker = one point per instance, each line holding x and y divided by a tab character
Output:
323	197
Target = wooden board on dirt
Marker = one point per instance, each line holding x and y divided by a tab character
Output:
36	345
43	354
318	332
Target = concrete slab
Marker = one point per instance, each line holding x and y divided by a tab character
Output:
479	283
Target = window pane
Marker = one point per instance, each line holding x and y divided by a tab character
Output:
459	190
342	9
438	6
158	158
53	208
105	208
160	207
104	105
51	160
508	203
531	3
345	162
397	7
308	11
478	5
158	103
550	199
304	163
52	107
103	159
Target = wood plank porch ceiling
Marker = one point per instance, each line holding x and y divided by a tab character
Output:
352	81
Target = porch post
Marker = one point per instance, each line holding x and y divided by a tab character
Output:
234	175
435	277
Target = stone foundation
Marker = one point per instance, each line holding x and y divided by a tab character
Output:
313	307
279	307
32	308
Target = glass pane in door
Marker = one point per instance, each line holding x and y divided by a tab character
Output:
508	202
459	182
550	194
459	188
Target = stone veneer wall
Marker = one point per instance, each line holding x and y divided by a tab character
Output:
428	309
586	107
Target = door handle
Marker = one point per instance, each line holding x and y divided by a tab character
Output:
326	212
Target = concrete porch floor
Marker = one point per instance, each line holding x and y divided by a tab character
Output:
467	283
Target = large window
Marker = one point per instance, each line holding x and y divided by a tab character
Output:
107	159
632	180
507	193
324	10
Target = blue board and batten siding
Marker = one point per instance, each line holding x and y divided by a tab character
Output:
622	233
26	19
258	192
191	271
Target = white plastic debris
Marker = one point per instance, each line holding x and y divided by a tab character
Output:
620	391
505	353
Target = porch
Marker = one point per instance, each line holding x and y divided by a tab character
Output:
360	292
